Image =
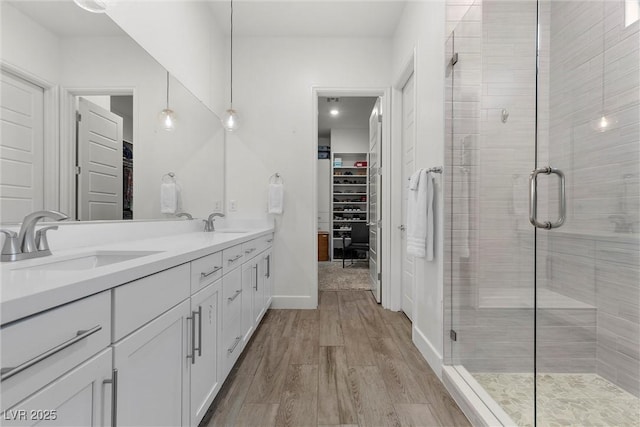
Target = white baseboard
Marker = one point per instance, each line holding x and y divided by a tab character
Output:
428	351
293	302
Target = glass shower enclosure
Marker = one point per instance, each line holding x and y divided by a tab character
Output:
542	207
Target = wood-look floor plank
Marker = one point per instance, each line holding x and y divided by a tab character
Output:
252	354
371	318
257	415
305	343
269	379
356	342
330	328
370	397
401	383
299	402
328	300
335	405
416	415
229	401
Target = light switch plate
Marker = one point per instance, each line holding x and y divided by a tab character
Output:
217	206
233	205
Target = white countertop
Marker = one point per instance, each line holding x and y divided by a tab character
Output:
24	292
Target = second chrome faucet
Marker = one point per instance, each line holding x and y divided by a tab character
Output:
208	223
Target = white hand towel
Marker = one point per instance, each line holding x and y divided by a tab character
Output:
168	197
276	198
420	217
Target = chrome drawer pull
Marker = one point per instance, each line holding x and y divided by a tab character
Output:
249	251
237	257
215	270
238	292
114	397
235	344
7	373
270	240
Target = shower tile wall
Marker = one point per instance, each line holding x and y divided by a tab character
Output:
590	259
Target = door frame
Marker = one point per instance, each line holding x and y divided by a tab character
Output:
400	81
51	135
385	252
68	149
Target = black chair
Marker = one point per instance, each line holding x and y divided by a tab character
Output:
359	240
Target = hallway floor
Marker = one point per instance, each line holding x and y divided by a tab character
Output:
350	362
333	277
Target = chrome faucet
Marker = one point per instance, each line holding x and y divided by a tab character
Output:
28	243
208	223
185	215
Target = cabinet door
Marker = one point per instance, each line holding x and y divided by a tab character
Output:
153	371
78	398
231	307
258	290
205	378
248	284
268	278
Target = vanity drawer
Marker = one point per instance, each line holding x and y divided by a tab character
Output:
42	347
266	241
251	248
232	297
136	303
205	270
231	258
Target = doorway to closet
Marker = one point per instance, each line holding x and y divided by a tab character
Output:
349	137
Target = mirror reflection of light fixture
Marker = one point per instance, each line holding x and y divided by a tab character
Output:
603	122
167	117
334	112
230	117
95	6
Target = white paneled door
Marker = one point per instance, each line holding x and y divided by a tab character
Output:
375	142
100	161
408	167
21	148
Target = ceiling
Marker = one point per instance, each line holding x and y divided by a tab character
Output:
310	18
65	19
354	114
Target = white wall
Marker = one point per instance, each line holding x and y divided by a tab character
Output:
184	38
273	92
350	140
27	45
422	28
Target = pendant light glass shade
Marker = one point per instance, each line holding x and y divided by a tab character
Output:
167	117
230	120
95	6
604	123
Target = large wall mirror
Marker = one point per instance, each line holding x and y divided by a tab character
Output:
80	127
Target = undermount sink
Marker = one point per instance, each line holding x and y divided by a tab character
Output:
231	231
89	260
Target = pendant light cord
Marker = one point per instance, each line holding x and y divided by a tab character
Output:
231	54
603	49
167	90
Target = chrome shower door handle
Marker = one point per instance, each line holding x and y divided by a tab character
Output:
533	198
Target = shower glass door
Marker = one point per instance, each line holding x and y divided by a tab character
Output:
491	135
587	269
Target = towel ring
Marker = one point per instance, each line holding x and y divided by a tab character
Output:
170	175
276	178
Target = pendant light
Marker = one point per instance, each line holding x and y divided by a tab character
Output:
167	117
95	6
603	122
230	117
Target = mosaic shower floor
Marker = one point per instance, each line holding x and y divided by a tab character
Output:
563	399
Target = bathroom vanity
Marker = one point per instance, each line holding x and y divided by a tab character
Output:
141	332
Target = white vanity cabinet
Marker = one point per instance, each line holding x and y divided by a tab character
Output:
38	351
232	301
81	397
206	378
153	371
